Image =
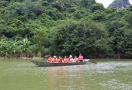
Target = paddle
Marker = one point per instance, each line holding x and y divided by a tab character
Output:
92	62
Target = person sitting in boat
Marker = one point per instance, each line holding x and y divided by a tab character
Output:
54	59
60	60
80	57
66	59
71	59
75	58
49	59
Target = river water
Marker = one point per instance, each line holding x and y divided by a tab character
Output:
103	75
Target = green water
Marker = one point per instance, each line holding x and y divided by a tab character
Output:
105	75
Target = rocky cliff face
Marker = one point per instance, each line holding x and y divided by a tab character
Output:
119	4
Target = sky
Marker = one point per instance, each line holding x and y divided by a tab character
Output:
107	2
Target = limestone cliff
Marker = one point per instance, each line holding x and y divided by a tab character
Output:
119	4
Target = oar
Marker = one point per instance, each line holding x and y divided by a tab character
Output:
93	62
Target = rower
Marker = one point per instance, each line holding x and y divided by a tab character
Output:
66	59
60	59
80	57
75	58
54	59
71	59
49	59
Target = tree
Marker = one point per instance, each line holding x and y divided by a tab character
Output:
40	37
98	16
127	50
18	9
83	36
97	6
130	20
117	33
87	3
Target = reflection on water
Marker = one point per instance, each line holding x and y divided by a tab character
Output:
65	78
105	75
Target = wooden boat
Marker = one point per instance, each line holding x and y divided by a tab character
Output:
46	64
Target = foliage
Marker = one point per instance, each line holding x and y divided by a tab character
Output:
15	48
86	37
63	27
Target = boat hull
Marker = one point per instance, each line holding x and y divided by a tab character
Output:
46	64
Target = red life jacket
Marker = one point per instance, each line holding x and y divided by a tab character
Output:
60	60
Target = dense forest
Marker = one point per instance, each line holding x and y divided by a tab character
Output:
63	27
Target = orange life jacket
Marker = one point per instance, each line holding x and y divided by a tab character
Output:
78	60
55	60
49	59
66	60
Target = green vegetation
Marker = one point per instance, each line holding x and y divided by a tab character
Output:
63	27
